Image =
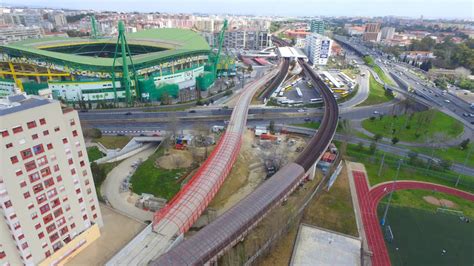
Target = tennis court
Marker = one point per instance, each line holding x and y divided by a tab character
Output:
419	237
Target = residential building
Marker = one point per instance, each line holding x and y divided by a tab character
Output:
372	32
417	56
318	48
58	19
245	39
317	26
48	201
387	33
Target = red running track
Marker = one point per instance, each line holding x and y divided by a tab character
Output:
369	199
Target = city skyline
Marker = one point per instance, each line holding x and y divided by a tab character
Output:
459	9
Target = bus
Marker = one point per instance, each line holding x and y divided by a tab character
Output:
298	91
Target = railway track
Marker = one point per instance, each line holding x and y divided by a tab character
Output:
229	228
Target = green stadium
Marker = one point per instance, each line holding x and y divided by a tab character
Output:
142	66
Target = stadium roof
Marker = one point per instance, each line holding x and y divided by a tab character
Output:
178	42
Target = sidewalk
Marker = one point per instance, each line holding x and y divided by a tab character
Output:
111	185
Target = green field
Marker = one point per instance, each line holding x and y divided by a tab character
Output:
377	94
454	153
416	127
382	75
154	180
407	172
94	153
420	237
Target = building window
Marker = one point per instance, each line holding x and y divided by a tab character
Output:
49	146
34	215
42	160
89	191
74	133
45	132
17	129
31	124
42	121
49	182
70	161
41	198
87	182
30	166
31	206
37	226
93	207
58	212
55	203
26	195
10	145
81	200
24	246
4	133
59	178
14	159
73	225
72	122
53	237
38	149
78	191
45	172
23	183
56	129
79	154
2	254
25	154
48	218
50	228
61	221
65	141
38	188
18	172
45	208
7	204
47	253
84	217
81	163
51	193
34	136
73	171
64	230
34	177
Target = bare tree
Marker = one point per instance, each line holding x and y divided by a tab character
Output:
178	161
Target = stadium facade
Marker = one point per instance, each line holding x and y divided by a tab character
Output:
162	61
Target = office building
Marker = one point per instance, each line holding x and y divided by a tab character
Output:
48	201
19	33
244	39
372	32
318	49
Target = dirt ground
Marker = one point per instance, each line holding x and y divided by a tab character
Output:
175	159
117	231
440	202
248	171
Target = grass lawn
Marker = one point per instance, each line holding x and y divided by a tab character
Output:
94	153
454	153
113	142
376	94
414	199
154	180
421	236
312	125
382	75
407	172
420	127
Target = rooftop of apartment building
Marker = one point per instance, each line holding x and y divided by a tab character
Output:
20	102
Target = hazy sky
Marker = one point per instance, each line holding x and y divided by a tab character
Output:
413	8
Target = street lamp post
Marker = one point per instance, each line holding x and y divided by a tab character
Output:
384	218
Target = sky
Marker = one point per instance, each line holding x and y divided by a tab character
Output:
463	9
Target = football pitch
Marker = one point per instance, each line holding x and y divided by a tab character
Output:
419	237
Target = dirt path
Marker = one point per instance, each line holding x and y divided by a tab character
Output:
440	202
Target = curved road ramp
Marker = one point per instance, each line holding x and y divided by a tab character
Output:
171	222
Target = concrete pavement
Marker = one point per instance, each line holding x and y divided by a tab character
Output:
110	187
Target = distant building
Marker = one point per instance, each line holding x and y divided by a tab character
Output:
19	33
244	39
318	48
58	19
297	33
372	32
387	33
48	201
317	26
417	56
354	30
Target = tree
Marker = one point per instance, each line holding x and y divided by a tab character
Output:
413	158
271	126
464	144
373	147
445	164
426	66
378	137
360	146
98	173
93	133
395	140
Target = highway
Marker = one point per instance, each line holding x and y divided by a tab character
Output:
224	232
172	221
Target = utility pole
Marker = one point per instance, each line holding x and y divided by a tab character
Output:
464	164
381	165
384	218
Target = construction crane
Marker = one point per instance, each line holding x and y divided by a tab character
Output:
215	58
94	31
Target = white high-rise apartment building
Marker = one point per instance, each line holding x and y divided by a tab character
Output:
48	201
318	48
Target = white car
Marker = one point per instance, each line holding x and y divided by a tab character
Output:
376	112
447	101
301	110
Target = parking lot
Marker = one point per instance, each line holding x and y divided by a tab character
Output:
308	92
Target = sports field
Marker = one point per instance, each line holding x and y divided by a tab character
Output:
421	236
